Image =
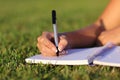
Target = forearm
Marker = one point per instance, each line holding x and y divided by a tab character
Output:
111	15
85	37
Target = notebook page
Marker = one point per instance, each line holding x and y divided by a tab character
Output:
100	51
109	58
73	57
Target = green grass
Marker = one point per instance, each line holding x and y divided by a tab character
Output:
22	21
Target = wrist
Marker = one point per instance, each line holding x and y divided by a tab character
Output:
67	39
99	27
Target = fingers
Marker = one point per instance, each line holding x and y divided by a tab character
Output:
105	38
45	51
45	45
63	43
48	52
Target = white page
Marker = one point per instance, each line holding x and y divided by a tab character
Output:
109	58
74	57
100	51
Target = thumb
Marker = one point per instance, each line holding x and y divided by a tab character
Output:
62	43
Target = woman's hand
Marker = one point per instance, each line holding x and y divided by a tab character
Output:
112	35
46	44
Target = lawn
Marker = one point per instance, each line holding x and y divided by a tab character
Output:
22	21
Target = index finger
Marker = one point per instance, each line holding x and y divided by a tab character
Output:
47	41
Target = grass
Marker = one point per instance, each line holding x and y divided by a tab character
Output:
22	21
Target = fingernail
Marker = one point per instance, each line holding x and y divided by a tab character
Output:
110	44
59	48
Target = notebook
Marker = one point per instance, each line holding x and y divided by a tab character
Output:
108	55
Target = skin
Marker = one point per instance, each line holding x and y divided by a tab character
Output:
105	29
112	35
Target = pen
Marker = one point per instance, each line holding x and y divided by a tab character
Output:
55	30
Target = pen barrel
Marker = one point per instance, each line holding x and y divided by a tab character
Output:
55	34
55	30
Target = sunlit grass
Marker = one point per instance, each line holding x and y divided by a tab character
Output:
21	22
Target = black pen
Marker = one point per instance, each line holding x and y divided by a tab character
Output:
55	30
